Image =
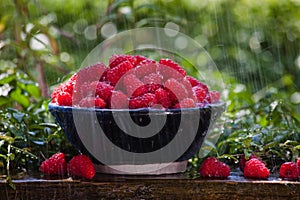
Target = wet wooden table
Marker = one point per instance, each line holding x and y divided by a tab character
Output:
150	187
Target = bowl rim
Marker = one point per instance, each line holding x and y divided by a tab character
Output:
217	105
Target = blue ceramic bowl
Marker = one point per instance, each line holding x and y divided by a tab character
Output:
177	121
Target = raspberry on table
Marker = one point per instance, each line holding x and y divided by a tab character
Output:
81	166
298	164
55	165
289	171
243	160
213	168
256	169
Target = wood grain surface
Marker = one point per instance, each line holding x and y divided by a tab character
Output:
149	187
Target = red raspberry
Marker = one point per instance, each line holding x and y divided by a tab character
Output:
104	75
114	74
55	93
64	99
153	78
67	87
90	102
104	90
188	87
81	166
90	74
134	87
96	89
172	97
168	72
55	165
87	89
243	161
193	81
115	60
118	100
152	87
214	96
173	65
289	170
298	164
200	93
186	103
145	67
256	169
213	168
144	101
140	58
207	99
178	89
163	98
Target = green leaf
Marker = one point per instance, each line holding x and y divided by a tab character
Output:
7	78
33	90
20	98
4	100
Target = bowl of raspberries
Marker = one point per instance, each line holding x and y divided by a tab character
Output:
136	115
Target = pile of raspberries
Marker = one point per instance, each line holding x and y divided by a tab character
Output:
134	81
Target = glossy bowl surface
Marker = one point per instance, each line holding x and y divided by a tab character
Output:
189	122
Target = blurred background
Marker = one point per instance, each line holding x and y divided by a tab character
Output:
255	44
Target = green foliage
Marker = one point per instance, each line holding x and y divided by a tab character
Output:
26	136
16	88
266	124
